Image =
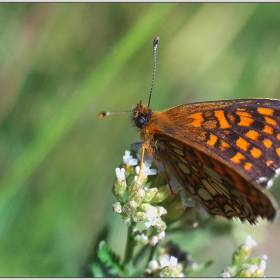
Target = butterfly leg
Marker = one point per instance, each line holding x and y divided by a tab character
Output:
141	162
142	159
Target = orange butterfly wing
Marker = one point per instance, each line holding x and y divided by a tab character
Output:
225	153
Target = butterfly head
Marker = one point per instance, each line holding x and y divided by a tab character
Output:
141	115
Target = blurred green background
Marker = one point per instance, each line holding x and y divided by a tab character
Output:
61	64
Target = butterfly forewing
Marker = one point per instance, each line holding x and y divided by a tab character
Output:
231	148
244	134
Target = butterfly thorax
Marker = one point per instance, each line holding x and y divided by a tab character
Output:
141	116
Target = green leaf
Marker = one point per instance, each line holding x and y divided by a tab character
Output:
93	267
109	259
96	270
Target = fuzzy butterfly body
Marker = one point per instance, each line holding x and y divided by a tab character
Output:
226	154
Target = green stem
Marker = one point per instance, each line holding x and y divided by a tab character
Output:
140	254
130	246
152	253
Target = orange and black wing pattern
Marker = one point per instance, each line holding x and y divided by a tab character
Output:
224	153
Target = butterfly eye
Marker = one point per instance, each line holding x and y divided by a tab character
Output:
141	121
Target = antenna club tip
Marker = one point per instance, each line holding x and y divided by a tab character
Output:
156	41
102	115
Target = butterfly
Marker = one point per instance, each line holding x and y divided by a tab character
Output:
224	153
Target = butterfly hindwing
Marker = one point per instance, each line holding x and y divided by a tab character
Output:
231	197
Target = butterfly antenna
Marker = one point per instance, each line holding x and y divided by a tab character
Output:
155	44
107	113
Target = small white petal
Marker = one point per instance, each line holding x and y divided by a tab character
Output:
148	224
152	217
148	163
162	211
151	172
264	257
253	268
164	262
133	162
173	261
146	168
128	159
120	173
262	265
152	213
137	169
250	241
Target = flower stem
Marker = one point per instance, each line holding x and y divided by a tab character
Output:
130	245
152	253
